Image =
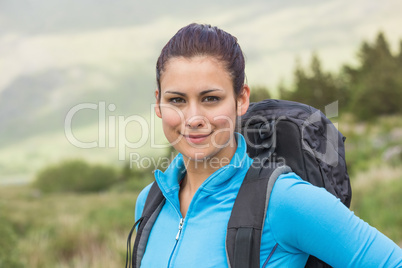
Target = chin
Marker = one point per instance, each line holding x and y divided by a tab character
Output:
197	156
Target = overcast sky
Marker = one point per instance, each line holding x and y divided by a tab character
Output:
36	36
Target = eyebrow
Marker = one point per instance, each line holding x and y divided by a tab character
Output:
202	92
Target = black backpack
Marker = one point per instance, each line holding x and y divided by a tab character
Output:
281	136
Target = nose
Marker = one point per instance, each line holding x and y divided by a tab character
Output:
196	121
194	118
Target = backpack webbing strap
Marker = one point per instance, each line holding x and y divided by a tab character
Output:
152	207
244	240
128	251
244	231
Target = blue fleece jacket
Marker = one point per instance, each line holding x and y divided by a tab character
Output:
301	220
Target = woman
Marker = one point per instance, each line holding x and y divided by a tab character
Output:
201	92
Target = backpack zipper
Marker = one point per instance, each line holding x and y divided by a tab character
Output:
284	105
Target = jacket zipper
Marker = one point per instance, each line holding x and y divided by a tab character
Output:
177	240
180	227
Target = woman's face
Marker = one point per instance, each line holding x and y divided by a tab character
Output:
198	107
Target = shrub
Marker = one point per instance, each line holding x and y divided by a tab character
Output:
133	178
8	245
75	176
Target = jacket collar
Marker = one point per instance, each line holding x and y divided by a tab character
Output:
169	180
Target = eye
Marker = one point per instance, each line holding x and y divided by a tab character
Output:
211	99
176	100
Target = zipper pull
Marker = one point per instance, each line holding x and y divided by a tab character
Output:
180	227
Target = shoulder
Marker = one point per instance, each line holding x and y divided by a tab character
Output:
296	207
294	198
142	197
289	189
288	181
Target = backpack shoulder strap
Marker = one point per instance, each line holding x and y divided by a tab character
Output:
244	231
152	207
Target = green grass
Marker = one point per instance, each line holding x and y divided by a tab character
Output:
376	178
67	230
378	201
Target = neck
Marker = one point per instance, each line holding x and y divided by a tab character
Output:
197	173
199	170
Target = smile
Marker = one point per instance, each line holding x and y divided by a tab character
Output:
196	138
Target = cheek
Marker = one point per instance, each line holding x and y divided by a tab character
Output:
171	117
226	118
225	121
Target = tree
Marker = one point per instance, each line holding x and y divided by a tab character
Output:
375	84
399	56
259	93
314	86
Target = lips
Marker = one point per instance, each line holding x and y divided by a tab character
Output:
196	138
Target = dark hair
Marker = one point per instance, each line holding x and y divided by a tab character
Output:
205	40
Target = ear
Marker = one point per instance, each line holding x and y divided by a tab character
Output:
243	100
157	104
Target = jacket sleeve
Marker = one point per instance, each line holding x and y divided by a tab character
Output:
309	219
140	203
